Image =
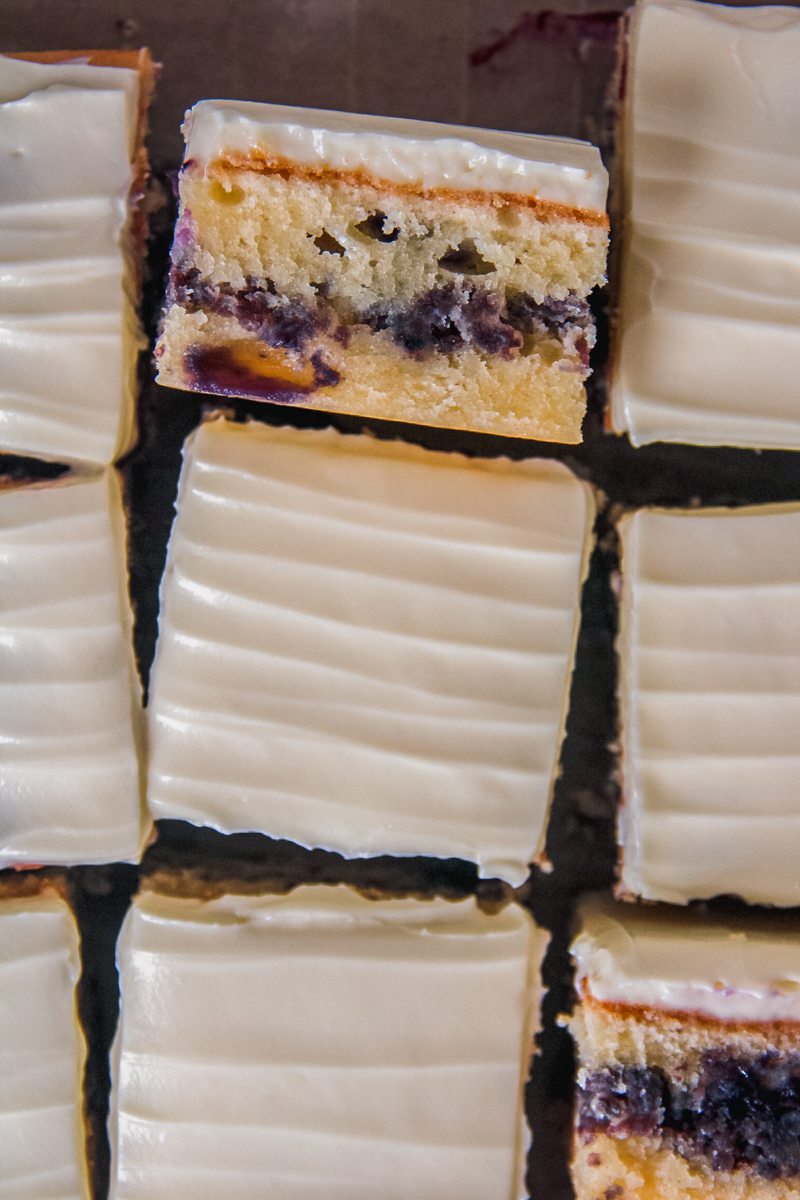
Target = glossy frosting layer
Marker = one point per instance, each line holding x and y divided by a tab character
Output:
69	695
419	153
709	335
710	693
366	646
735	969
320	1045
67	326
42	1148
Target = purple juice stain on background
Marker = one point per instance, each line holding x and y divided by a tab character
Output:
552	28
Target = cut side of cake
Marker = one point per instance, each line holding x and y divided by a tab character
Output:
70	708
387	268
709	690
72	169
43	1149
321	1046
688	1036
366	646
707	345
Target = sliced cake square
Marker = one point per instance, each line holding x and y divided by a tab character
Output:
688	1036
321	1046
72	167
709	677
387	268
707	347
70	709
366	646
43	1148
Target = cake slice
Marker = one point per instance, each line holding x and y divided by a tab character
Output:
688	1036
72	168
709	681
321	1045
366	646
707	346
70	709
387	268
43	1147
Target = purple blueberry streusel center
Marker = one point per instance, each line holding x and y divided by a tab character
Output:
741	1114
444	319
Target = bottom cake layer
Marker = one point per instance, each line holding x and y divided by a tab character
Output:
535	394
643	1168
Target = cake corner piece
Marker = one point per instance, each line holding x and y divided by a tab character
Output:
386	268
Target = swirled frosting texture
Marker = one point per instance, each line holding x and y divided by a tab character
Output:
417	153
69	696
320	1045
710	682
741	969
67	326
364	645
709	330
42	1149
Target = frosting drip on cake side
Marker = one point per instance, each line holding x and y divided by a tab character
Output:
68	329
709	331
327	1045
709	647
366	646
42	1052
69	693
417	153
731	970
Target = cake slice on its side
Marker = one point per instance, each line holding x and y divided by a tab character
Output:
388	268
69	694
328	1046
707	342
72	168
709	685
366	646
43	1147
688	1036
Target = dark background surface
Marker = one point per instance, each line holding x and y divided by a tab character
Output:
496	63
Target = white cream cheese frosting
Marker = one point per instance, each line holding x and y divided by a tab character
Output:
68	330
69	695
742	969
321	1045
418	153
709	326
366	646
710	704
42	1142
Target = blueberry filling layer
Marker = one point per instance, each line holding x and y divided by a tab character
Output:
740	1114
445	319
